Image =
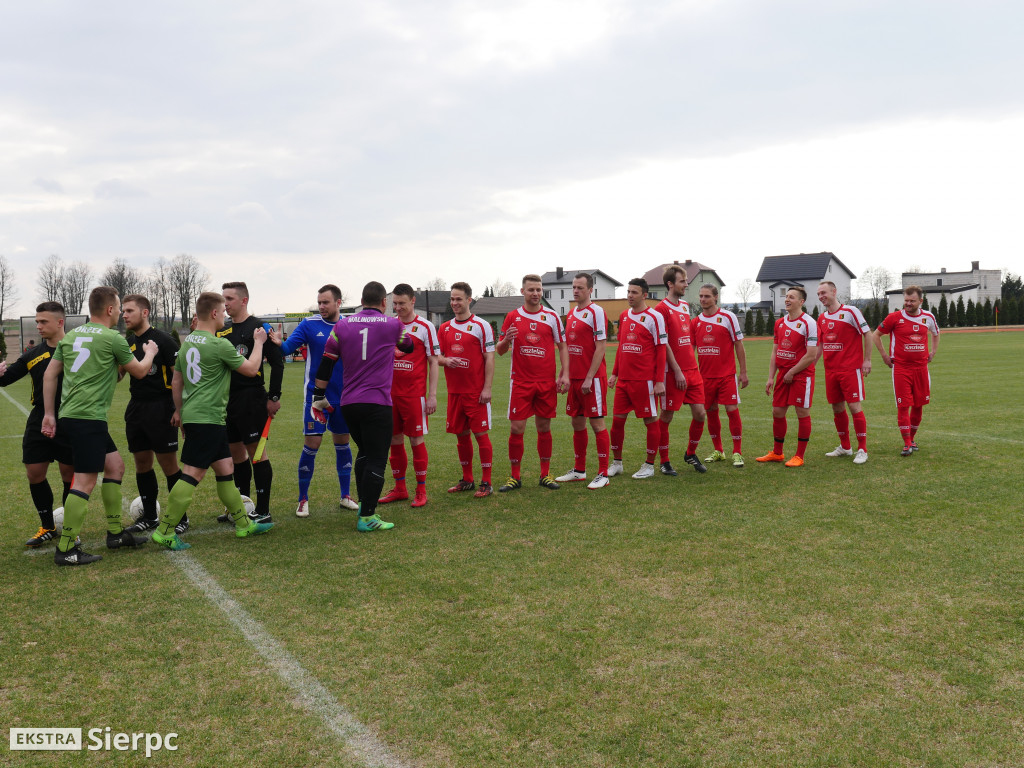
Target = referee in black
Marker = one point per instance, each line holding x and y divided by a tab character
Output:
147	419
249	402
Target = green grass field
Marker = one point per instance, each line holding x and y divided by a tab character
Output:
832	615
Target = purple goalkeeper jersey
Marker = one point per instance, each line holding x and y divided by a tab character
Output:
365	343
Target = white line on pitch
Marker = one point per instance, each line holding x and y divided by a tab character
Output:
311	693
17	405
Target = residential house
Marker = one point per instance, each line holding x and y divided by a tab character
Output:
558	287
780	273
978	284
697	274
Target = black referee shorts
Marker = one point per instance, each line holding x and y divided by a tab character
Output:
247	414
147	425
37	448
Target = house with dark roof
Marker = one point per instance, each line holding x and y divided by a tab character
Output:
780	273
430	305
697	274
978	284
558	287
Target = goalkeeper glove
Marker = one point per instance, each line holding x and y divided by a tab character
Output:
320	407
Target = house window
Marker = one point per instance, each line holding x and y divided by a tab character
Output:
939	282
563	293
547	294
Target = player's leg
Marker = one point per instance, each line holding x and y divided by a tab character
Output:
698	417
842	422
342	457
149	489
179	499
779	428
714	425
921	398
486	452
517	429
110	492
803	435
653	437
603	444
580	438
545	444
370	426
663	438
42	499
262	480
243	467
420	463
399	461
618	434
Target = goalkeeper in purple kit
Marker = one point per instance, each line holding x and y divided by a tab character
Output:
365	344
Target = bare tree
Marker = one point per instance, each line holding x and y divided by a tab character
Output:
51	277
877	281
124	277
75	284
8	289
502	288
188	278
746	290
161	296
437	284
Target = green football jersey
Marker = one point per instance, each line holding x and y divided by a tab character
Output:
91	354
206	362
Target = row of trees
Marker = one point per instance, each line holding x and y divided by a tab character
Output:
171	286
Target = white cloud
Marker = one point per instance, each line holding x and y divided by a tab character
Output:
115	189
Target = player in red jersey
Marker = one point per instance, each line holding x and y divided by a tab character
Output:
719	341
586	336
533	334
908	356
467	355
410	408
844	341
639	372
683	382
791	375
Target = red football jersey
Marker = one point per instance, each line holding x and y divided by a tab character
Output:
715	337
841	336
908	336
533	349
410	372
583	329
792	338
680	332
642	346
465	344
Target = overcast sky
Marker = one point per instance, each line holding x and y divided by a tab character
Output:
293	144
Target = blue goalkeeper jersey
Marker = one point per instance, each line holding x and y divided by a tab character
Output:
314	332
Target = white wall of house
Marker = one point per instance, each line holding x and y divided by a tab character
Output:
834	272
559	295
990	281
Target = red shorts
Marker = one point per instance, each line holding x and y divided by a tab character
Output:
467	414
845	385
675	398
409	416
912	385
800	393
635	396
594	405
530	399
721	390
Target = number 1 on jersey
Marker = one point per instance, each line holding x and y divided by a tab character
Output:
365	332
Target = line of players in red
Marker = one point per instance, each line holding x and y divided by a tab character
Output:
667	358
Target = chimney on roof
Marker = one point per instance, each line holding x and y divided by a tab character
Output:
943	269
689	262
676	262
974	266
558	273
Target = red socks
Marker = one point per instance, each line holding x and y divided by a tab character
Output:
915	421
465	449
715	430
603	449
779	432
483	441
399	463
903	420
843	428
419	463
736	430
515	453
663	440
617	436
579	449
860	426
653	438
544	443
696	430
803	434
